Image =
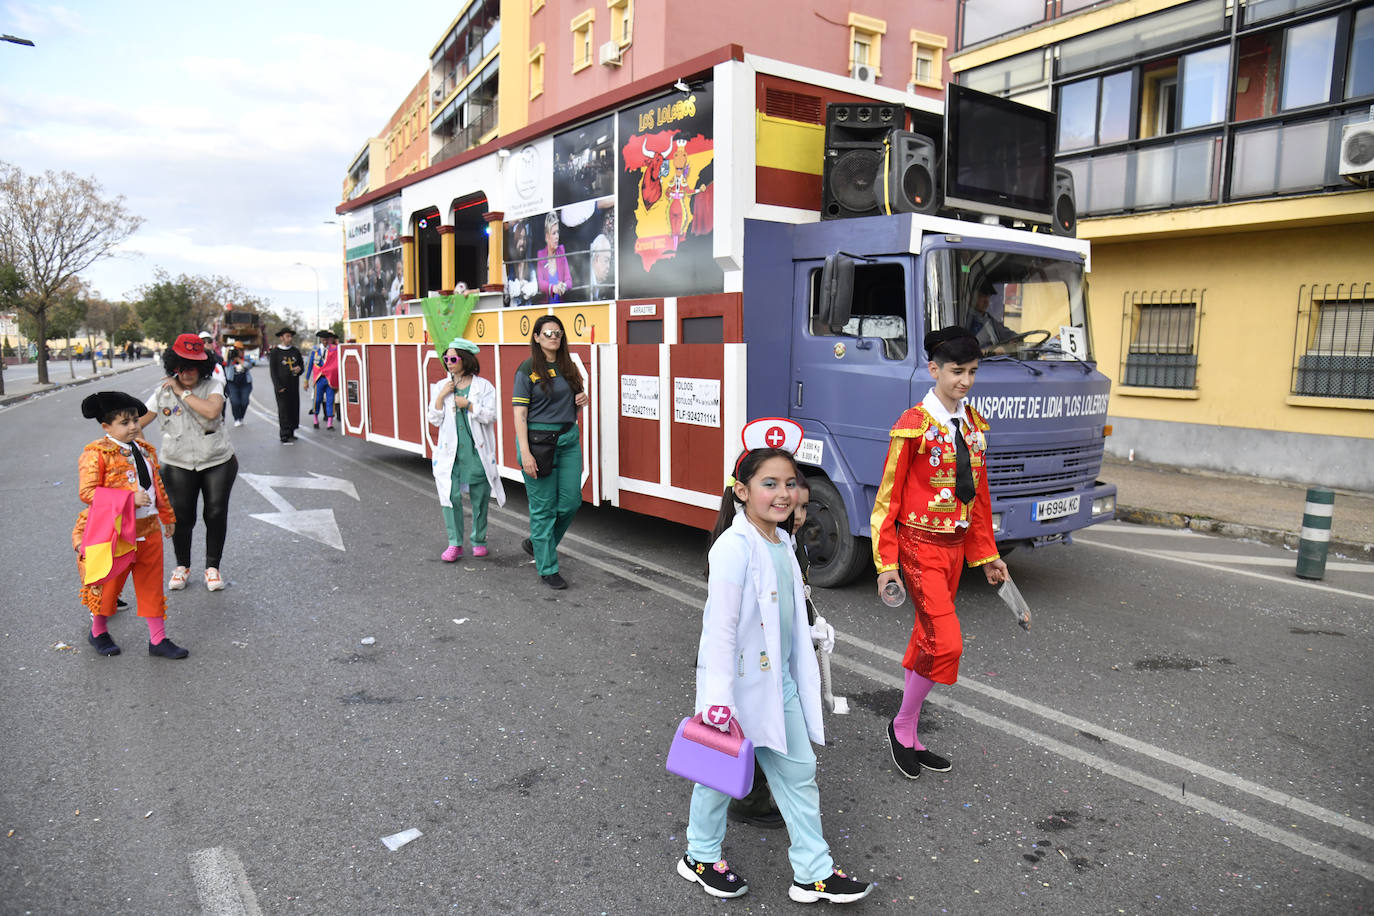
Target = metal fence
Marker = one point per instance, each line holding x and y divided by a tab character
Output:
1160	331
1333	347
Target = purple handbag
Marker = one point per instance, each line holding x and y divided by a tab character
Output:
705	754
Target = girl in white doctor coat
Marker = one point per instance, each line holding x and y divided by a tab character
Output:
755	663
463	406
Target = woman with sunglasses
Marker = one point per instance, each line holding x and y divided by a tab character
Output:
548	393
463	406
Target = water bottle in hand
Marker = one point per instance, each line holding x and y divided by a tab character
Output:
894	594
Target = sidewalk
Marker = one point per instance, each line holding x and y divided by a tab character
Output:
61	377
1242	507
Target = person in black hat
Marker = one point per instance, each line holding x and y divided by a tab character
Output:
322	377
110	468
932	516
286	366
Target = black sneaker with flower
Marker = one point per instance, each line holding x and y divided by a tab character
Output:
838	888
715	878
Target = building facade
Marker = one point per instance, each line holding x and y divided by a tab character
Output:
1232	281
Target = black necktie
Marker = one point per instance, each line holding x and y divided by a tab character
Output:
145	480
964	490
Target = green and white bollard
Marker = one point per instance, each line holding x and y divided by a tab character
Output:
1316	532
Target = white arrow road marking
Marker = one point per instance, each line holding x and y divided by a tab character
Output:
316	524
222	884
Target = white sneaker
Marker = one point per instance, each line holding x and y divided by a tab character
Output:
213	581
178	580
238	422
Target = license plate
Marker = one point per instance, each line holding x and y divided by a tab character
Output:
1054	508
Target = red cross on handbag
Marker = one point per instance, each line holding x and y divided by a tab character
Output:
705	754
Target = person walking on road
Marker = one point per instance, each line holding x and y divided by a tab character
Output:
199	464
755	664
238	382
116	473
322	378
463	406
548	393
932	515
285	365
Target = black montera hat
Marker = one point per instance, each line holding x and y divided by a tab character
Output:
103	403
943	336
282	331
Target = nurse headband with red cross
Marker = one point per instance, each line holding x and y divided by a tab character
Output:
768	432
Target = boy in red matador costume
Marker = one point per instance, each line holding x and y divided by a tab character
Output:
118	473
932	515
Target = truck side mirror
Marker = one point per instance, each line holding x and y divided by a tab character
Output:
837	292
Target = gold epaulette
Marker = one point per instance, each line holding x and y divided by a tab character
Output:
978	422
904	431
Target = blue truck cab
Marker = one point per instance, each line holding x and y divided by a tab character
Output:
834	317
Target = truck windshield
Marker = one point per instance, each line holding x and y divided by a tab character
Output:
1027	306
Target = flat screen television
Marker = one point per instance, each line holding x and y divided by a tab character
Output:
999	156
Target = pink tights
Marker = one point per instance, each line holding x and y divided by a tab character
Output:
913	696
157	627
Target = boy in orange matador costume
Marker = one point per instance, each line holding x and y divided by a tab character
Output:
119	460
932	515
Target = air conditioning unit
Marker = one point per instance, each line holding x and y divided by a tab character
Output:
1357	153
863	73
610	54
438	96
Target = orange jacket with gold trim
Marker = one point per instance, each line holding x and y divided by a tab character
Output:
917	488
103	464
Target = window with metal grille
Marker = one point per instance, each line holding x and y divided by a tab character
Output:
1162	329
1335	341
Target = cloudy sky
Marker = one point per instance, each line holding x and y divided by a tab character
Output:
227	127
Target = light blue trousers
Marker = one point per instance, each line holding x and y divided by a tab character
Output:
792	779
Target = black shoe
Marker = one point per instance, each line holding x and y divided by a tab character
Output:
528	546
769	818
902	755
932	761
715	878
121	603
167	649
554	580
103	644
838	888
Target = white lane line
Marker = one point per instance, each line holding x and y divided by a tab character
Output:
1164	790
1249	560
1170	557
222	884
1153	751
1126	528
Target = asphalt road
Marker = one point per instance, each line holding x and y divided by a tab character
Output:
1184	729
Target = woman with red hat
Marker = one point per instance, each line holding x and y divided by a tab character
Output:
198	461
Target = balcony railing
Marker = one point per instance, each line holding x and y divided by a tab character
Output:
1289	157
1148	175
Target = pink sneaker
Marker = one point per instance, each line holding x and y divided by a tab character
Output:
479	551
329	423
451	554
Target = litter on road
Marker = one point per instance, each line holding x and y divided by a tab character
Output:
397	840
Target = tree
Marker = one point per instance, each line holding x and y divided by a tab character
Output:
107	318
12	288
63	317
53	227
165	310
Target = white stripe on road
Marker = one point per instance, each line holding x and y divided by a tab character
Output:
1129	528
1174	558
222	884
1223	559
1153	751
1164	790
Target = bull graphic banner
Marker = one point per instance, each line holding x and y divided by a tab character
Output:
665	194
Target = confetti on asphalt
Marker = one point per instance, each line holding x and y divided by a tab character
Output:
369	640
460	620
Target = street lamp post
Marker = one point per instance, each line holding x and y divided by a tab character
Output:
317	291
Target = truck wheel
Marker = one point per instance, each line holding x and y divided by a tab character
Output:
837	557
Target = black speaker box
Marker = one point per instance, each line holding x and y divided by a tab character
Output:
854	135
906	178
1065	208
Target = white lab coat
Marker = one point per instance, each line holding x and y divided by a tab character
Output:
482	422
739	626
